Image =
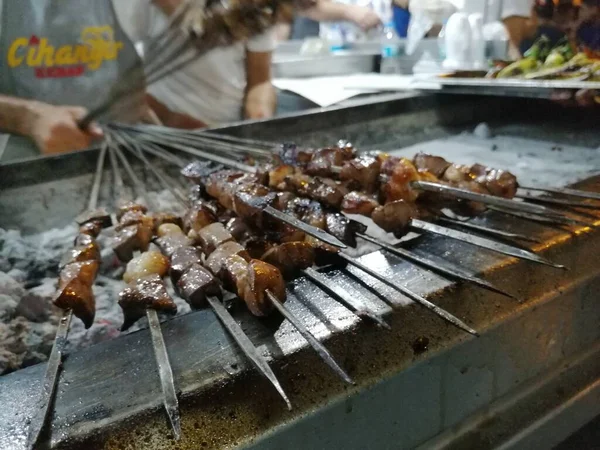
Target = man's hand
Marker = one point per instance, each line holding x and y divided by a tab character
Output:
362	16
54	129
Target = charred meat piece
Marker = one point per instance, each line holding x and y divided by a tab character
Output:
282	201
262	276
256	246
145	293
308	211
91	228
199	215
325	254
216	260
250	201
238	228
83	240
399	177
163	218
97	215
196	284
90	252
323	190
131	206
289	153
221	186
182	259
75	290
394	216
433	164
278	174
146	264
343	228
198	171
359	203
235	277
457	173
125	242
290	257
169	243
323	159
212	236
364	171
498	182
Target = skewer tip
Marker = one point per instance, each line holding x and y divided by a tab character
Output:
365	314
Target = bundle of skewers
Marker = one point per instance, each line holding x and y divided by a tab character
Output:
258	215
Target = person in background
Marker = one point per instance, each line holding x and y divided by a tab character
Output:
306	24
401	17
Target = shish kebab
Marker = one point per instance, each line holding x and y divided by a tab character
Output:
78	269
242	193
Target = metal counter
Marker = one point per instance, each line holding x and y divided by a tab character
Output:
532	378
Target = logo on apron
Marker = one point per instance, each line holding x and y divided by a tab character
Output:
97	46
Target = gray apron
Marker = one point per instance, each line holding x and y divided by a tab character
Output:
62	52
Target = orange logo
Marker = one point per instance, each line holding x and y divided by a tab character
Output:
97	46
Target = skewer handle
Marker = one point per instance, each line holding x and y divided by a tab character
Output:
50	380
165	372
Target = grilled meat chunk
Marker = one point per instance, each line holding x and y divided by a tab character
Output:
90	252
75	290
196	284
343	228
394	216
289	153
199	215
359	203
145	293
216	260
238	228
163	218
324	190
91	228
400	173
433	164
278	175
99	215
250	201
262	276
290	257
131	206
212	236
182	259
170	238
362	171
498	182
145	264
323	159
130	239
198	171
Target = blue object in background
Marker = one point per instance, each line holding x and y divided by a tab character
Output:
401	20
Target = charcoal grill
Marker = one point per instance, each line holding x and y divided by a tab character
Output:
424	383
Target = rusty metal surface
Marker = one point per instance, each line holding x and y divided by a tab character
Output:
109	398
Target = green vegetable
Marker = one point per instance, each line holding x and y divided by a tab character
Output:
520	67
539	50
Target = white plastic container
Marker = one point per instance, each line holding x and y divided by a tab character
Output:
477	42
458	43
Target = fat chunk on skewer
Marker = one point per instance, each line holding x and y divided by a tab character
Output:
75	290
146	264
170	238
216	260
145	293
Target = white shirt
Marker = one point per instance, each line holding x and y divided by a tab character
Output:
499	9
212	88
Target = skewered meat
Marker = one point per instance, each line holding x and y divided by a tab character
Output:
196	284
323	190
146	264
250	201
212	236
216	260
359	203
364	171
237	227
343	228
171	238
75	290
400	172
90	252
126	242
131	206
433	164
290	154
83	240
182	259
97	215
394	216
198	171
323	159
498	182
278	174
91	228
308	211
198	216
145	293
290	257
163	218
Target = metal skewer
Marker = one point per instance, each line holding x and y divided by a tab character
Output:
416	298
314	343
342	296
557	201
565	191
165	372
247	346
453	272
488	230
420	225
227	320
50	381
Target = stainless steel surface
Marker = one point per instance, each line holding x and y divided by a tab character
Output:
165	373
247	346
520	84
405	394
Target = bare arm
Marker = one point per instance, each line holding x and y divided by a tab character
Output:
171	118
167	6
261	98
54	129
